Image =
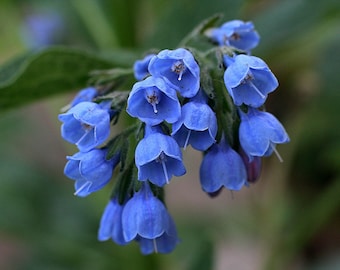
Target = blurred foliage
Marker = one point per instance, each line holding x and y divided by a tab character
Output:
295	216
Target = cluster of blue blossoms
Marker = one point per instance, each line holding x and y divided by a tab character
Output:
211	100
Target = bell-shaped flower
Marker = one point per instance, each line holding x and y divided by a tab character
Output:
179	69
86	94
238	34
153	101
259	133
146	220
197	125
111	223
158	157
222	167
90	170
248	80
140	67
86	124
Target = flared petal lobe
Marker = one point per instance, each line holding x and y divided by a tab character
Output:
179	69
153	101
140	67
86	124
90	170
259	132
249	80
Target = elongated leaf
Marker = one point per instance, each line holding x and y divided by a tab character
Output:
46	72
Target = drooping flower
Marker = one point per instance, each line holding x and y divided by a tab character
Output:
248	80
158	157
197	125
86	124
140	67
179	69
146	220
238	34
222	167
90	170
153	101
111	226
86	94
259	133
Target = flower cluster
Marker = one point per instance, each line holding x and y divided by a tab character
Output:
212	100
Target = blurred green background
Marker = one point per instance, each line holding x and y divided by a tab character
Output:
290	219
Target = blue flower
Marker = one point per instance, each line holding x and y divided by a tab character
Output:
179	69
87	125
238	34
197	125
222	166
111	226
259	133
90	170
140	67
249	80
146	220
158	157
153	101
87	94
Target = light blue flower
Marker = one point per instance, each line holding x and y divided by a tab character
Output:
222	167
179	69
197	125
259	133
86	94
146	220
158	157
91	170
86	124
140	67
238	34
111	226
248	80
153	101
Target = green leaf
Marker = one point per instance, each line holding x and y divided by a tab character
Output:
47	72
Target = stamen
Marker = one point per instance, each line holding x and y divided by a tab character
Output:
179	68
153	100
276	152
155	245
187	139
86	185
162	159
87	129
256	89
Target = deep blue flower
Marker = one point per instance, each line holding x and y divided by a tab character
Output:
87	125
259	133
111	226
222	167
238	34
153	101
146	220
86	94
197	125
249	80
140	67
158	157
179	69
91	170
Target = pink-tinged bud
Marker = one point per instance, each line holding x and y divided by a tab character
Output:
253	166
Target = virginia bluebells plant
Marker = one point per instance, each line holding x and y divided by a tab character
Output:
210	99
